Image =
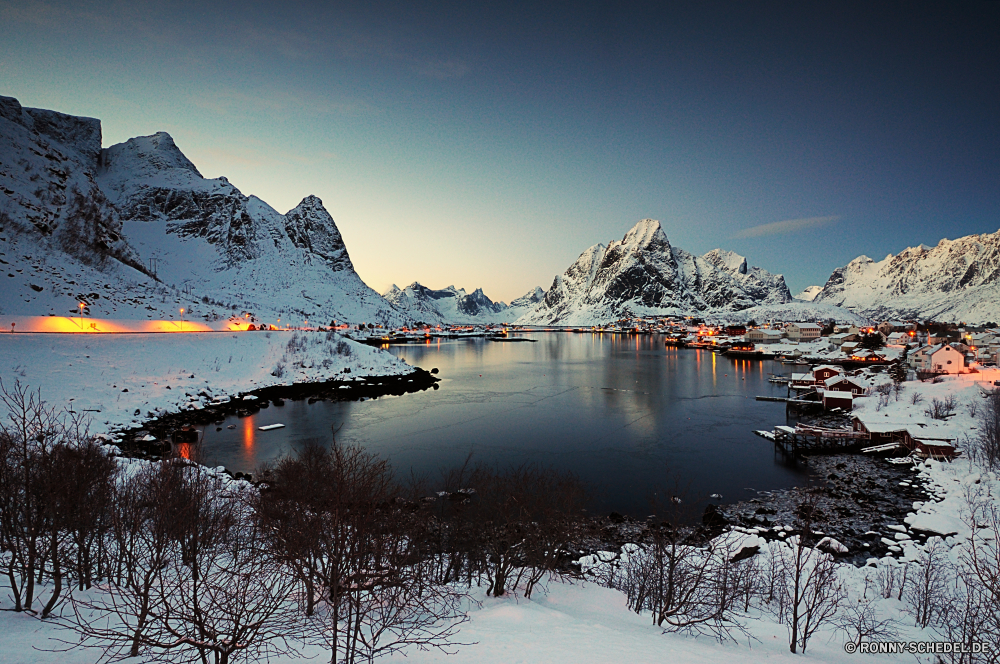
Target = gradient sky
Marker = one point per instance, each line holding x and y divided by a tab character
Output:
490	144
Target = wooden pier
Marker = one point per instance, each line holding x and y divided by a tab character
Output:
804	438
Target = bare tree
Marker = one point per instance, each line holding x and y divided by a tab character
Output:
989	430
814	593
926	591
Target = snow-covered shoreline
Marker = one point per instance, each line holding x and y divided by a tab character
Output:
122	380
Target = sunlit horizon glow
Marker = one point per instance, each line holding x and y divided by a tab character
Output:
488	146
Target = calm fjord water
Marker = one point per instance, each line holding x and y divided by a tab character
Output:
624	413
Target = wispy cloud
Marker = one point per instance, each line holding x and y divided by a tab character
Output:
787	226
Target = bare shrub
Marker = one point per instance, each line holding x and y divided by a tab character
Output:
200	581
884	391
54	499
891	579
279	370
941	409
916	397
861	622
334	518
687	586
813	592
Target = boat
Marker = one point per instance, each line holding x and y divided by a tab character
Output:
271	427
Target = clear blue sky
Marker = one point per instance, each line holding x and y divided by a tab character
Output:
489	144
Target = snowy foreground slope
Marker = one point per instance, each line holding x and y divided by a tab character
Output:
958	280
455	305
642	274
120	379
134	230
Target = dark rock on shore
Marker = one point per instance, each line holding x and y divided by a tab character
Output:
166	427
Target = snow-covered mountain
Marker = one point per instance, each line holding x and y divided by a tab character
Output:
136	230
455	305
642	274
958	280
809	293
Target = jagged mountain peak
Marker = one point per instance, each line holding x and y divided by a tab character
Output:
449	305
147	156
727	260
643	274
310	227
643	234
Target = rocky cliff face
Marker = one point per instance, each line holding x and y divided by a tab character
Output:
642	274
191	240
958	280
48	164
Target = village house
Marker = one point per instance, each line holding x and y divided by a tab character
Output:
890	326
764	336
841	391
940	358
866	355
901	338
803	331
849	347
839	339
815	377
918	357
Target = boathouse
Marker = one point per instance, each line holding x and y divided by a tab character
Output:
925	439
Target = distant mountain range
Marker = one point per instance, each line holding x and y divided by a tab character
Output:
135	231
455	305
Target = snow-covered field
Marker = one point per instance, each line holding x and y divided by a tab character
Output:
118	379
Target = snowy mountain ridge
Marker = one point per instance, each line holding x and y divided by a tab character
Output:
642	274
455	305
135	230
957	280
809	293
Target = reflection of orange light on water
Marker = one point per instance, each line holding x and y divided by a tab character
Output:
248	432
184	449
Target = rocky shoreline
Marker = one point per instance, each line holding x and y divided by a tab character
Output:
857	500
156	437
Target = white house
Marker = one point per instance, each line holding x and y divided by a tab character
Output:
942	358
899	339
803	331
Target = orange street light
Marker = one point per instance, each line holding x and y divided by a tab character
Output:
81	315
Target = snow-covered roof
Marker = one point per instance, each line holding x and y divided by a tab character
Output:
833	380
